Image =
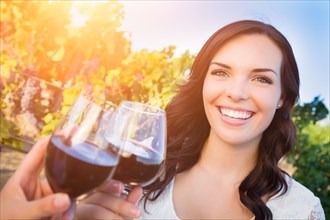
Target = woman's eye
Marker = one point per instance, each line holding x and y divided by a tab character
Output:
220	73
263	79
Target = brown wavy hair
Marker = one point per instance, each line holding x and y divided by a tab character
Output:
188	127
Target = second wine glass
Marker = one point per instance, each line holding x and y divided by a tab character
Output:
139	133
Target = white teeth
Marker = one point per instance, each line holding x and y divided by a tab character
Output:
236	114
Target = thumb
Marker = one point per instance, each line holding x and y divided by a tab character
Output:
47	206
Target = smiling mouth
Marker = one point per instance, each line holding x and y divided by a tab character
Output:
236	114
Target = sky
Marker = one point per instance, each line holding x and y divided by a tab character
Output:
154	25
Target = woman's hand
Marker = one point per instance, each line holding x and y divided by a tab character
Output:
106	203
25	196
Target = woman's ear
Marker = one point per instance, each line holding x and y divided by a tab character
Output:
280	103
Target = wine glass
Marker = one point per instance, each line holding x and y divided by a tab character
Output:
140	137
77	158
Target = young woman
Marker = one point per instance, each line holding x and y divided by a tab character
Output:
228	127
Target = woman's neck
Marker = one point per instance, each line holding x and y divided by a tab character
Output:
225	161
218	174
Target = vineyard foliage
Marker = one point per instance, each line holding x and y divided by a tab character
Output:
52	50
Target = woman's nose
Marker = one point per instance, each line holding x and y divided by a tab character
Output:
238	90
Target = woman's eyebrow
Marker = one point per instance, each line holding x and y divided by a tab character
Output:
257	70
221	64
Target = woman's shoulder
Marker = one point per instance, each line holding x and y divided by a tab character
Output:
297	202
162	207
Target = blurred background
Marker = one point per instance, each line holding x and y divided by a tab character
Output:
138	50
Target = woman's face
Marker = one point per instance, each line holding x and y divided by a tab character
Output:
242	89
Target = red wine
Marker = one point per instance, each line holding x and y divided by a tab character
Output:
76	169
138	165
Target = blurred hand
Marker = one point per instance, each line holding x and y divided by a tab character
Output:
25	196
106	203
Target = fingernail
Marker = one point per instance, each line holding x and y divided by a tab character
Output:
134	211
61	200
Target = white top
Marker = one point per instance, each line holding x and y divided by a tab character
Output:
297	203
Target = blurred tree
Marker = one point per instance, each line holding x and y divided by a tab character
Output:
45	46
59	40
311	155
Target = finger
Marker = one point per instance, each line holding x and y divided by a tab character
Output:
45	187
135	195
114	204
47	206
33	161
90	211
112	186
